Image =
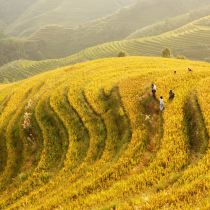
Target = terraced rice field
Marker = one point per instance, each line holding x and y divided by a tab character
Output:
191	41
91	136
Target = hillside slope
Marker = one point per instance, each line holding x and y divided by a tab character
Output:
90	136
9	12
22	69
170	23
34	14
56	41
126	21
191	41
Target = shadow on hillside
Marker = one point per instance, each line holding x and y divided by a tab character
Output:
116	113
197	134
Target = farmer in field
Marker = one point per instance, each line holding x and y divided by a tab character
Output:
154	90
171	95
161	104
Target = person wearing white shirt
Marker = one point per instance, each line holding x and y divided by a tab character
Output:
154	90
161	104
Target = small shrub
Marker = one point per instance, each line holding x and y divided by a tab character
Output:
166	53
121	54
180	57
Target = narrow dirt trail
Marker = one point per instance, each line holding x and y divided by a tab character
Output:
152	120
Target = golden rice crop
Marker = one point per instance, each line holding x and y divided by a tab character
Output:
91	136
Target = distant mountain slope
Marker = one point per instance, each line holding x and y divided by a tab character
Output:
115	27
57	41
13	49
21	69
38	13
12	9
2	35
191	40
170	23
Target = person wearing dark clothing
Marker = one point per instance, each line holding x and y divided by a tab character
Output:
171	95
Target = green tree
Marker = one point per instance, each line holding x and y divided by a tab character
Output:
121	54
166	53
